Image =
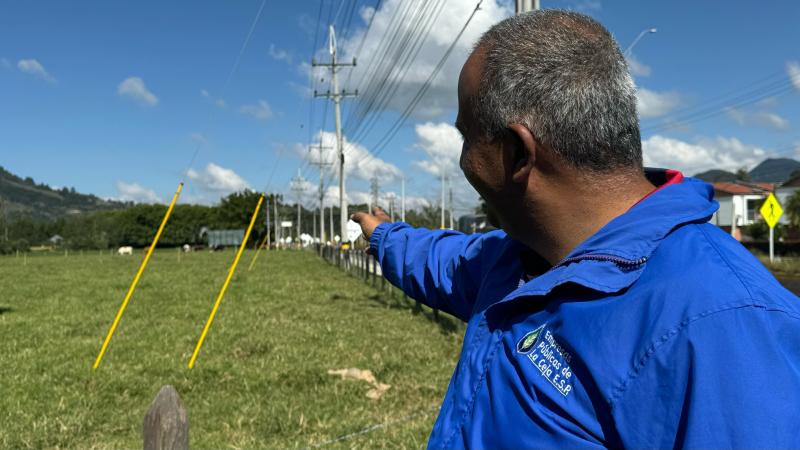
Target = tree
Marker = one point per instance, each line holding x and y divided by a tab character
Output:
742	174
792	208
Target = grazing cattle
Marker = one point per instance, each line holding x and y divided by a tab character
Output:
125	251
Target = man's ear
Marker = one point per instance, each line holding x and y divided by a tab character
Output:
524	152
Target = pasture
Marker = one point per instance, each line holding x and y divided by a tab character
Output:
261	378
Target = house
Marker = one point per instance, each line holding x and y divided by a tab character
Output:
739	203
783	192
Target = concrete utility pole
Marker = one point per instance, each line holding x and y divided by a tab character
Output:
403	200
330	211
297	187
277	225
266	210
441	225
336	96
320	164
450	185
524	6
391	197
374	190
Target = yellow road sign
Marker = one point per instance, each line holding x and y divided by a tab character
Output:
771	211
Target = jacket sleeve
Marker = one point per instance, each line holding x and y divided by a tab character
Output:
727	380
440	268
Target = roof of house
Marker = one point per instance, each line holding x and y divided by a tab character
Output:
742	188
792	182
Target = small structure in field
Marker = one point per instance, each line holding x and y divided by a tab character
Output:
224	238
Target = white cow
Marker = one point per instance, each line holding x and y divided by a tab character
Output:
125	251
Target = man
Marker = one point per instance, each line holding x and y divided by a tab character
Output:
608	312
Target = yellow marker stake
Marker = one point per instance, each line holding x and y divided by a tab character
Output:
225	285
136	278
258	250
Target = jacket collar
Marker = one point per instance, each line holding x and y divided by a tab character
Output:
613	258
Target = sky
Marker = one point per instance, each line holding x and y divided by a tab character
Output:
125	99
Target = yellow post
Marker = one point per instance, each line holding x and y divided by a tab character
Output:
258	250
225	285
136	278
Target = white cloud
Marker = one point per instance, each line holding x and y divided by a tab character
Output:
719	153
588	6
134	192
441	97
441	144
279	54
769	102
759	118
793	69
199	139
135	89
35	68
656	104
217	101
638	68
357	160
217	180
260	111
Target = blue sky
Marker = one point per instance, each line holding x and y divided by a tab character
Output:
115	98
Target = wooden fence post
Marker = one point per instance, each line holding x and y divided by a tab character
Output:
166	425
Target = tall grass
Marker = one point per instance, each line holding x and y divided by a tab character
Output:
260	380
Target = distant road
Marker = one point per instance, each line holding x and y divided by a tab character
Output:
791	283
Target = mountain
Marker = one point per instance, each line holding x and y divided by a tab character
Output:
715	175
25	198
774	170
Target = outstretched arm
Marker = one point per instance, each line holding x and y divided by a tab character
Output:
440	268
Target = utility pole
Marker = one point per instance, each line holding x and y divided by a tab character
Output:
391	197
297	187
441	225
403	200
277	228
450	185
374	192
268	224
330	210
336	96
524	6
320	164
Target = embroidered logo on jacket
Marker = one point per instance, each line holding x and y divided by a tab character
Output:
549	358
525	345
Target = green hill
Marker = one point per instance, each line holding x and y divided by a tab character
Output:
774	170
715	175
25	198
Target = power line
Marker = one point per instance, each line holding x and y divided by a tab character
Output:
711	109
383	142
382	97
230	77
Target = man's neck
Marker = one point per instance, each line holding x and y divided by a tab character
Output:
569	213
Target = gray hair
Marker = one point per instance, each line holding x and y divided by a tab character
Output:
563	76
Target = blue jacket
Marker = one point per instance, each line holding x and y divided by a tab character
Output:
660	330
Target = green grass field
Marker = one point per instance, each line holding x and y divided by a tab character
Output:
261	377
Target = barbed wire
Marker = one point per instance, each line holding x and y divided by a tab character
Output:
374	427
